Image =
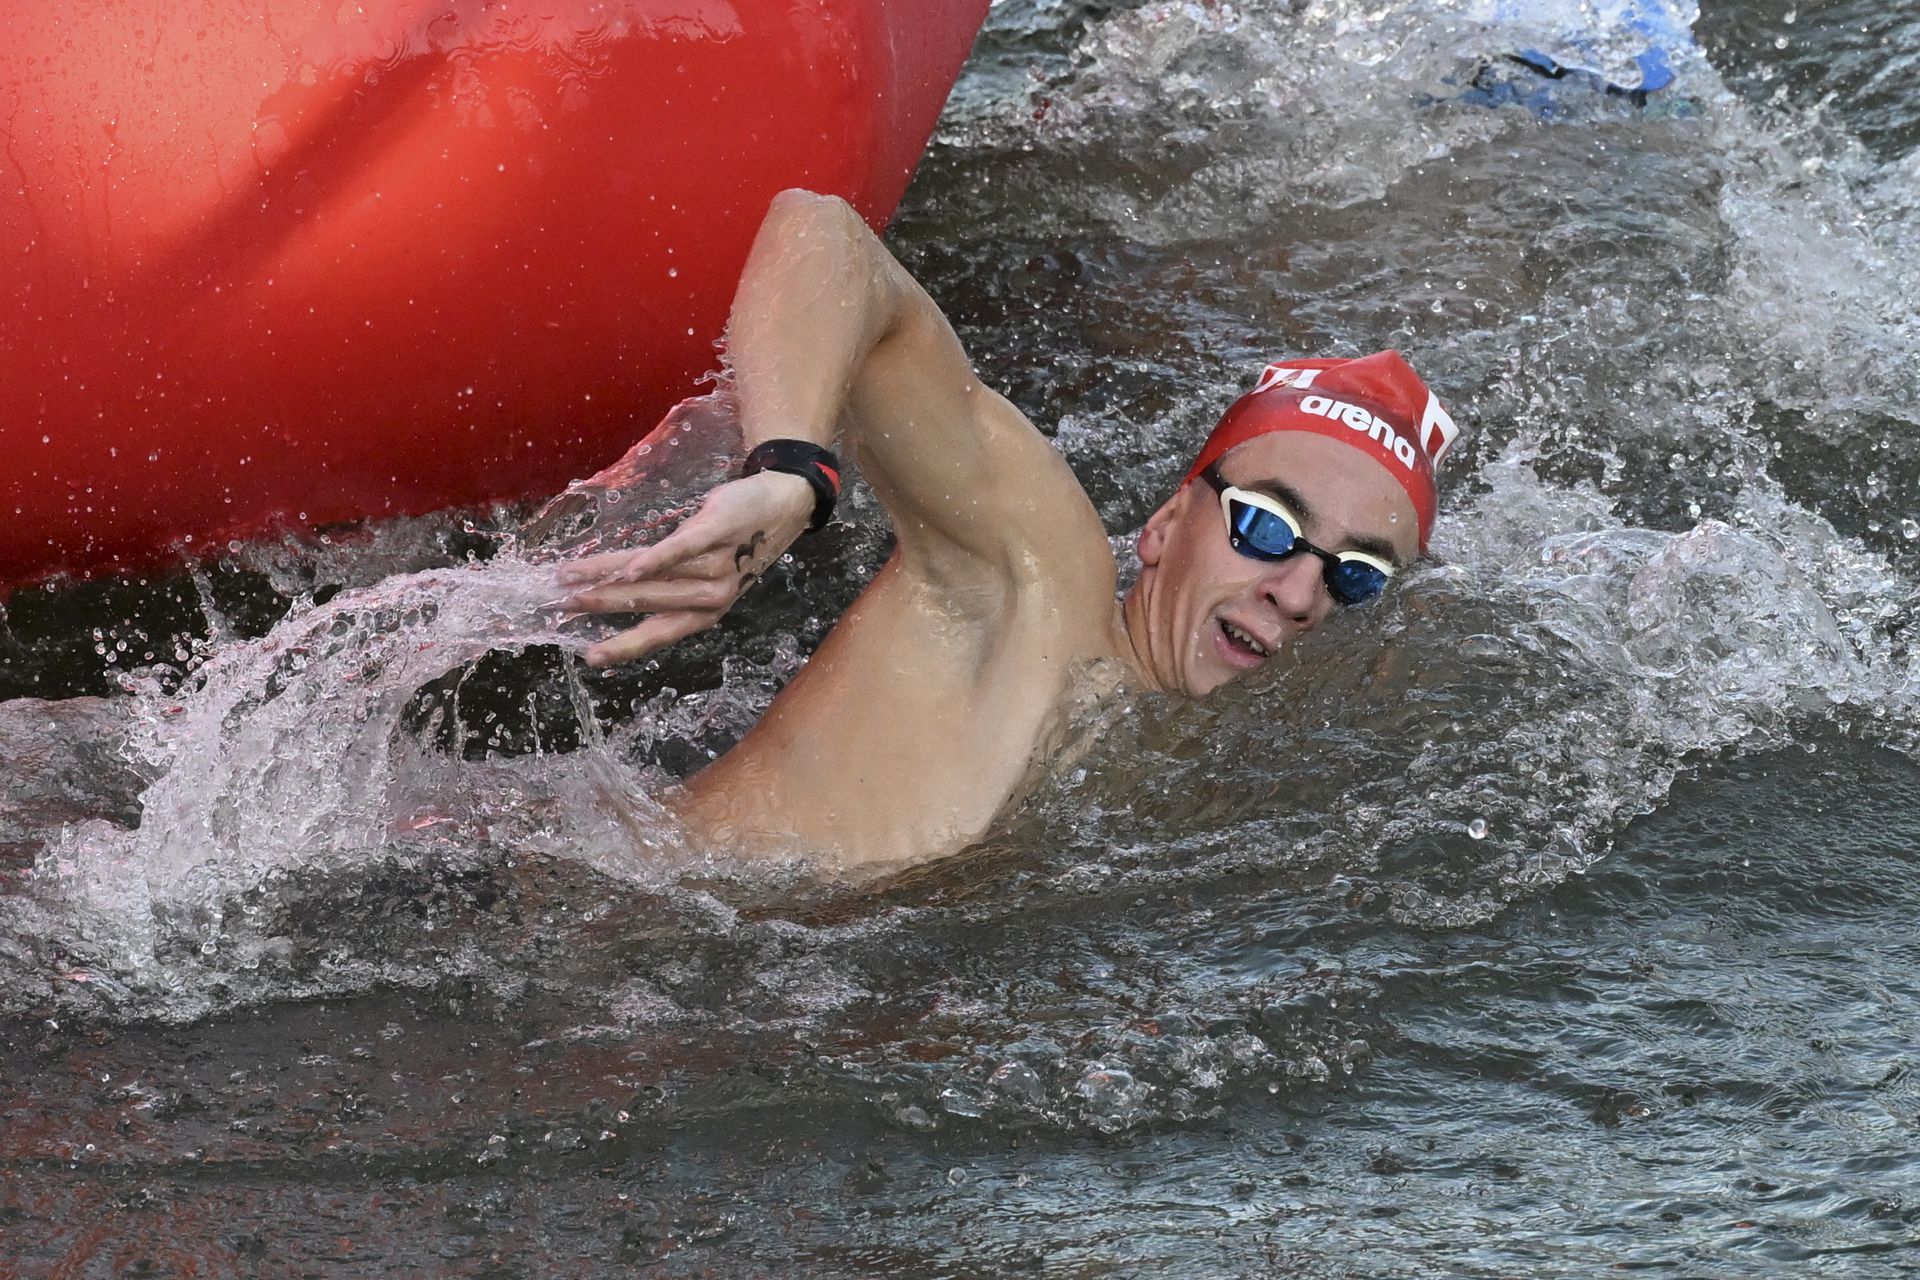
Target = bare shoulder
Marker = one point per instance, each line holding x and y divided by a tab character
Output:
979	500
1006	506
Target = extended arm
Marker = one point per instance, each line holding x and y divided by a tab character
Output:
831	337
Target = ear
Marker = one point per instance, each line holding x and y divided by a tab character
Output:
1158	531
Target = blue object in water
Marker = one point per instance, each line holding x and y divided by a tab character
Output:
1538	80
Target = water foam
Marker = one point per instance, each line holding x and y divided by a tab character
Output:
309	755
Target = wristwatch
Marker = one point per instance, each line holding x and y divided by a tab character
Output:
803	458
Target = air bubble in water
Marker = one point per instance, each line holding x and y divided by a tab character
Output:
1477	828
1910	528
1017	1080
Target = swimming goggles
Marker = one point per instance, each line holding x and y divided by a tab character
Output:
1260	528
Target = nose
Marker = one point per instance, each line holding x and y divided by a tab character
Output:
1296	589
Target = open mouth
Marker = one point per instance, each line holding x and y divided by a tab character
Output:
1241	645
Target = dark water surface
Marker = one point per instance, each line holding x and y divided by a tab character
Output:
1555	918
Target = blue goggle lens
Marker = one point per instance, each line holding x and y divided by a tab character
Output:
1267	535
1351	582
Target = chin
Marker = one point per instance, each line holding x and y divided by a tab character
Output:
1202	679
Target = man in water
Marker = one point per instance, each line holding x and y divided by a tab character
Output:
948	686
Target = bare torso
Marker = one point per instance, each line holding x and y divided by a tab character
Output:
934	702
948	685
908	732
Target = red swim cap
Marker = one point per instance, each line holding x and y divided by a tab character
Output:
1375	403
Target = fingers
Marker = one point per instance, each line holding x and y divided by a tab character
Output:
623	566
712	580
753	519
656	632
692	539
690	578
608	566
705	594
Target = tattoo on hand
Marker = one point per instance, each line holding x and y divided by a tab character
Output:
749	549
744	553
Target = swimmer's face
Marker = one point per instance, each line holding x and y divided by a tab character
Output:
1202	613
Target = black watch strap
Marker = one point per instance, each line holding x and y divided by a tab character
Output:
803	458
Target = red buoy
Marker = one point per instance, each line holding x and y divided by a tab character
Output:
294	262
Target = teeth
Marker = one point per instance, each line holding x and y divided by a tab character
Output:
1245	639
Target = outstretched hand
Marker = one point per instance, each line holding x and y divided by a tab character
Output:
688	580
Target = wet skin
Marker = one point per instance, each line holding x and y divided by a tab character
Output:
1193	581
947	688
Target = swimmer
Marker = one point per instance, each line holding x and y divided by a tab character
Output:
947	688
